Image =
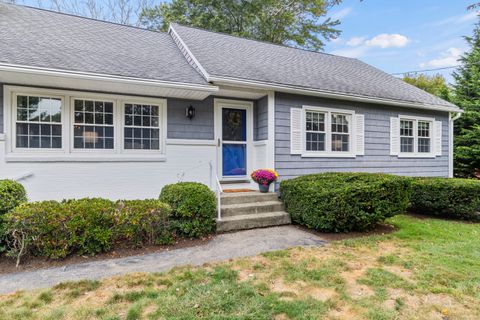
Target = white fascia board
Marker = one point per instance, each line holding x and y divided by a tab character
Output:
325	94
175	35
106	77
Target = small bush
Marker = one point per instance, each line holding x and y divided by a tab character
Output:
342	202
86	226
193	206
12	194
140	222
455	198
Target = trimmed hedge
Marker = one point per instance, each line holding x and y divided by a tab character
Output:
194	206
342	202
86	226
448	197
12	194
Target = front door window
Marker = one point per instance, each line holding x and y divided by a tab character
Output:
234	142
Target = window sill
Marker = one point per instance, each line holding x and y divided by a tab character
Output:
2	136
328	155
422	156
84	158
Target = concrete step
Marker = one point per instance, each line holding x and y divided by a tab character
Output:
231	210
251	221
247	197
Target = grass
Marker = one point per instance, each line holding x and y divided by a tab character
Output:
428	269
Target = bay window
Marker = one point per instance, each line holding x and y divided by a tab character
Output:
68	125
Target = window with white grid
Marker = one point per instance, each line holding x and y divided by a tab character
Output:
315	131
424	136
407	139
340	132
142	127
38	123
93	124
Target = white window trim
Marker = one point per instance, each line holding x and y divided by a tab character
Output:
67	152
328	134
415	153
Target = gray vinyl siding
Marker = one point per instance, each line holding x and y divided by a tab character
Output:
377	141
1	108
201	127
260	118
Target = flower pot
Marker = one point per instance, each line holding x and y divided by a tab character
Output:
263	187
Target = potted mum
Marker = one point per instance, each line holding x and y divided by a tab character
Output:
264	177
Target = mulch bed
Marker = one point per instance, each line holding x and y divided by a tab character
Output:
7	265
381	229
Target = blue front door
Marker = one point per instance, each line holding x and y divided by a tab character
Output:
234	142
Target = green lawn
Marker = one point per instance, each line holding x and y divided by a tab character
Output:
429	269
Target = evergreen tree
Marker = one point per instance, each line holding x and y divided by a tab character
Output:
467	97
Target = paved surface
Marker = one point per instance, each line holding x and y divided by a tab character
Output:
222	247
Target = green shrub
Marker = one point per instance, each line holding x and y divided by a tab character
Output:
86	226
342	202
193	206
12	194
455	198
140	222
56	229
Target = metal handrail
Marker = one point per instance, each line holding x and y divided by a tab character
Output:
218	190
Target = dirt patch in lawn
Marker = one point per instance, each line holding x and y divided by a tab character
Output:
380	229
7	265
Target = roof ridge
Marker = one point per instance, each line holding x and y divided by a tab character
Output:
82	17
262	41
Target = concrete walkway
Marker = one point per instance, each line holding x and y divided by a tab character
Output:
222	247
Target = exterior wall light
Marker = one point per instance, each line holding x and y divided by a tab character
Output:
190	112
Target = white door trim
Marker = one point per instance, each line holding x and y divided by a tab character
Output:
234	104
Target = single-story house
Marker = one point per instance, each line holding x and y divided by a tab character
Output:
93	108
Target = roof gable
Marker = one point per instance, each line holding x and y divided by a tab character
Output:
233	57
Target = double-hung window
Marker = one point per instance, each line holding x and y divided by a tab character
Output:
327	132
415	136
58	124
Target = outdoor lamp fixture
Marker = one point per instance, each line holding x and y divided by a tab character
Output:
190	112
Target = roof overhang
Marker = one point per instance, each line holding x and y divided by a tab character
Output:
218	80
35	76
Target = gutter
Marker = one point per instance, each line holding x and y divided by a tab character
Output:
106	77
326	94
450	141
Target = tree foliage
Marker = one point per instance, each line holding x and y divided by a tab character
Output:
435	84
467	97
302	23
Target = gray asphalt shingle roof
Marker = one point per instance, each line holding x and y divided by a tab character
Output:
234	57
47	39
41	38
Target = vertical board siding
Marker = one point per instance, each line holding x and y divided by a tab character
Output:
377	141
261	119
201	127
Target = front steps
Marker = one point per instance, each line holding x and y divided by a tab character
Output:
248	210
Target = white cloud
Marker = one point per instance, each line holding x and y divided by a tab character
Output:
355	41
448	58
386	40
340	14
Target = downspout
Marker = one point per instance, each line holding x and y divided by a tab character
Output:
451	121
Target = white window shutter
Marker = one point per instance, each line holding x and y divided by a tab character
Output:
296	131
394	136
437	138
360	134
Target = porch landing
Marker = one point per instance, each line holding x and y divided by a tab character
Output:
248	210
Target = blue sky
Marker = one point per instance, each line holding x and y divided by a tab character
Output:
404	35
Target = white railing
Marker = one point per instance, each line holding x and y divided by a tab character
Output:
218	189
